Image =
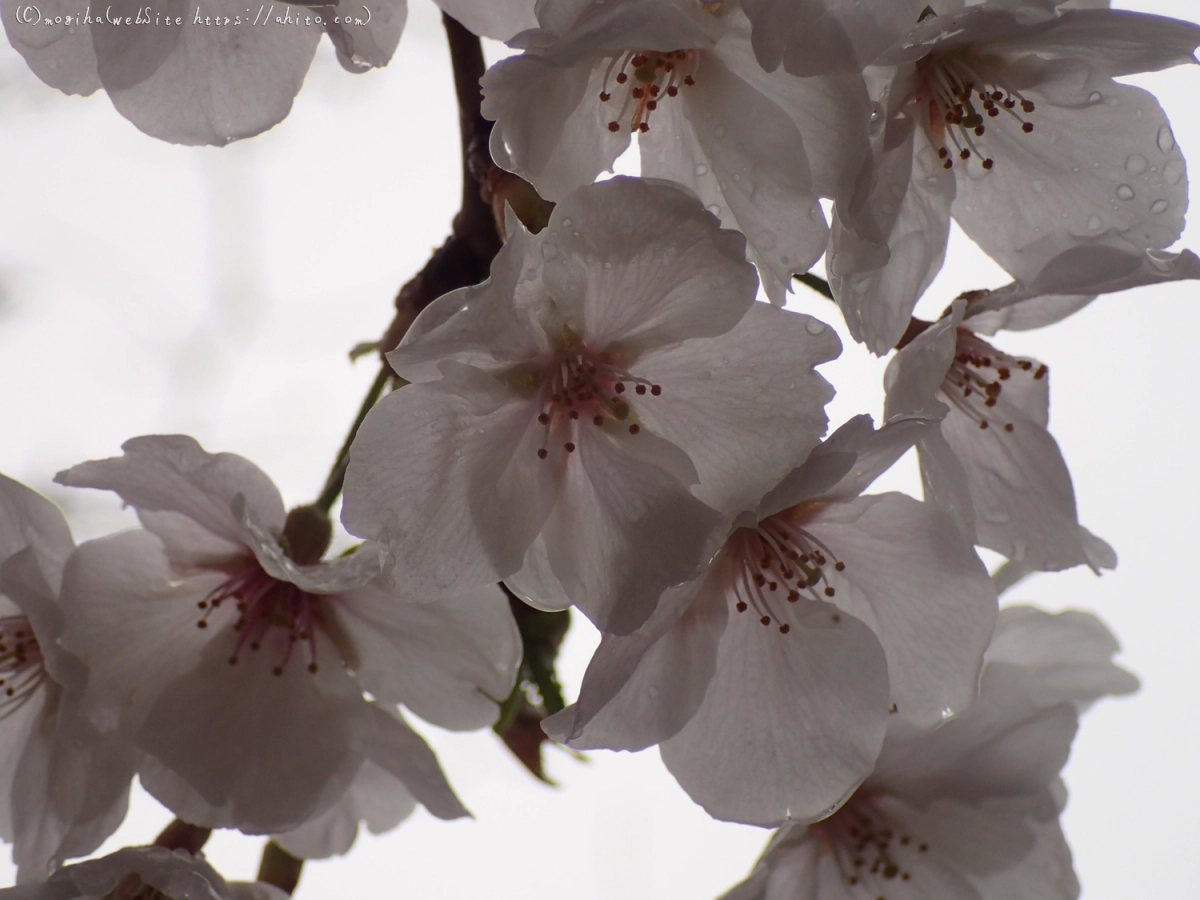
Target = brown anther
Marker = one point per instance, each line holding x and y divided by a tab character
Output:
740	606
203	604
1041	372
983	423
613	126
637	93
1027	106
622	78
793	596
992	113
943	153
569	447
672	91
619	387
1027	127
785	628
312	667
1008	426
765	620
651	105
988	163
829	592
542	454
840	566
964	154
201	624
543	419
1003	373
689	80
605	96
922	847
574	414
597	420
634	429
278	670
641	389
656	389
644	127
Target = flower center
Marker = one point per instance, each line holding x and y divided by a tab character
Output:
964	91
870	853
778	559
645	78
269	611
975	380
22	668
580	384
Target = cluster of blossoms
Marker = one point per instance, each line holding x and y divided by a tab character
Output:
612	422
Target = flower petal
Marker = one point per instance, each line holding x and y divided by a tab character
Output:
402	752
173	473
916	581
452	661
714	392
447	474
622	532
361	47
642	264
642	688
791	723
60	54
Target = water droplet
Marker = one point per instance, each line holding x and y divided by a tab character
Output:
1074	168
812	326
701	170
714	209
576	233
947	712
1166	140
1136	164
1039	186
1173	171
1125	192
719	131
1095	97
737	176
1094	223
566	223
1159	206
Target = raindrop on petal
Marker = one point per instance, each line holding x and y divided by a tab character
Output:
1166	140
1125	192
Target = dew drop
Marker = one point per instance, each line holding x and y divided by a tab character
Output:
1094	223
1136	164
714	209
567	223
1159	206
812	326
1166	140
1095	97
1125	192
701	170
1173	171
737	176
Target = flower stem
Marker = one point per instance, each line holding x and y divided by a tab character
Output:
337	474
279	868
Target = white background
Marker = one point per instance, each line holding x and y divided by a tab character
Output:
150	288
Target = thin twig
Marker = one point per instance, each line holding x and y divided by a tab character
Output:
817	283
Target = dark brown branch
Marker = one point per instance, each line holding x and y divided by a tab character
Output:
333	484
280	868
180	835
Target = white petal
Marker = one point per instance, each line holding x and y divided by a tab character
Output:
61	55
251	749
399	750
1078	178
765	181
643	264
536	583
1005	745
551	127
369	45
447	474
375	797
913	578
451	661
791	722
198	84
642	688
908	212
497	19
622	532
27	519
1070	652
1020	487
174	875
747	406
173	473
1045	873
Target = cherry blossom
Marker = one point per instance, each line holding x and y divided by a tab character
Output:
968	811
64	787
1009	120
240	668
137	872
993	463
561	410
199	72
769	680
681	76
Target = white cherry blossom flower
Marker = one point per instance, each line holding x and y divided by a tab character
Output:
200	71
993	463
1009	120
561	410
137	872
498	19
757	149
769	680
241	670
64	787
969	811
